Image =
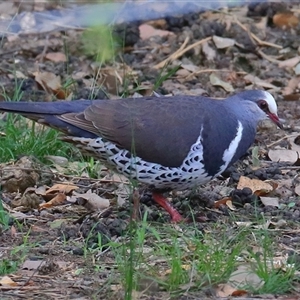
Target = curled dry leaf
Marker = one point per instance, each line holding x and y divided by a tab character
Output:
62	188
222	43
257	186
216	81
95	201
147	31
57	200
224	201
6	281
50	83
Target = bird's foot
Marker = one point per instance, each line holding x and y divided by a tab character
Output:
163	202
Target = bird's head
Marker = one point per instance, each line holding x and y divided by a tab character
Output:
265	102
269	106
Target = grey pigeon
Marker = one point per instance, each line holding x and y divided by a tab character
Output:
168	143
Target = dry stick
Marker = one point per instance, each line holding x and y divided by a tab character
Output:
181	51
172	56
267	57
281	139
260	42
255	37
212	71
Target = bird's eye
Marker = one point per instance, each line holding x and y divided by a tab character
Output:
263	105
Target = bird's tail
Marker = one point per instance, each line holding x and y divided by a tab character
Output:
48	113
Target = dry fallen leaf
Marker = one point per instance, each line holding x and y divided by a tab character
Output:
225	290
216	81
289	63
50	83
6	281
222	43
259	82
55	201
257	186
245	275
32	264
208	51
297	190
285	20
56	56
94	200
285	155
270	201
297	69
290	88
62	188
57	160
147	31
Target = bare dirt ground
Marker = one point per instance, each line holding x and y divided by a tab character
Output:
218	53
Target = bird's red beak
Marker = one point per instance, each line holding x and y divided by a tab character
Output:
274	118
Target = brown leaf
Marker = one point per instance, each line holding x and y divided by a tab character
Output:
50	83
292	85
6	281
257	186
147	31
224	290
56	56
285	20
239	293
62	188
13	231
222	201
57	200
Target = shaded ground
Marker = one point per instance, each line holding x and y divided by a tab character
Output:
262	51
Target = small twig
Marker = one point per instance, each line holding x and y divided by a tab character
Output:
280	140
136	205
267	57
211	71
181	51
42	55
255	37
33	274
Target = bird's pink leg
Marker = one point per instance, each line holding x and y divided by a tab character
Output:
163	202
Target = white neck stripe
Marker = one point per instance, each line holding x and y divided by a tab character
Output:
231	150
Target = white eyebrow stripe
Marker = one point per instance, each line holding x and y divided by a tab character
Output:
271	103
